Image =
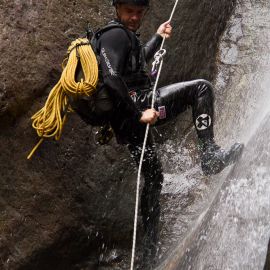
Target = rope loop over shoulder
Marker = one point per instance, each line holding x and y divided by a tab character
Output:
49	121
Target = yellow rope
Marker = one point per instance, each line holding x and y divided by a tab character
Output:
49	121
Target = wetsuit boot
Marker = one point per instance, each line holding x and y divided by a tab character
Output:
214	159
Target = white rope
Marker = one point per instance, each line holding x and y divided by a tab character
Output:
159	55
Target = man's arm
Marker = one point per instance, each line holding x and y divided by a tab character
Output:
153	44
150	48
114	46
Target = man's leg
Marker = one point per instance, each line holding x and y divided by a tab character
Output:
150	198
175	98
197	94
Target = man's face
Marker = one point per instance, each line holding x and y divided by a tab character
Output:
130	15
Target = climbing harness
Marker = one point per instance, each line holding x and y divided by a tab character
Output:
49	121
158	59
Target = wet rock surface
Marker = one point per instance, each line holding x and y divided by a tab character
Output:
75	199
34	39
243	68
234	234
233	230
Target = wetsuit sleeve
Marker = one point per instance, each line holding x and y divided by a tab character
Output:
151	47
114	47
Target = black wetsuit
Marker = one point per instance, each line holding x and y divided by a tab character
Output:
123	75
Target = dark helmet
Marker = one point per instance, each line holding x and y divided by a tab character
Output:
133	2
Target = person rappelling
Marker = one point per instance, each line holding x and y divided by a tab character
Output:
122	104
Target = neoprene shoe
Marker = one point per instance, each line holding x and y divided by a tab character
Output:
214	159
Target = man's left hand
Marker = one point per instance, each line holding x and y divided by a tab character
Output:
165	30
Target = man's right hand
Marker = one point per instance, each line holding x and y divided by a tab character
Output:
149	116
165	30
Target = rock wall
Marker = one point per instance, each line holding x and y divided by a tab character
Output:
242	106
74	194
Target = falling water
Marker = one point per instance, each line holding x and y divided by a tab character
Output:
231	227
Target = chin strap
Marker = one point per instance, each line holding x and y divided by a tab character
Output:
157	67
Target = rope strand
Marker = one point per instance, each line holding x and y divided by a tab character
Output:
143	151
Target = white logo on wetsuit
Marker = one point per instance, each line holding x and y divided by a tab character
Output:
107	61
203	122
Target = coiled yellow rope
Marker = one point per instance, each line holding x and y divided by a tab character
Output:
49	121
